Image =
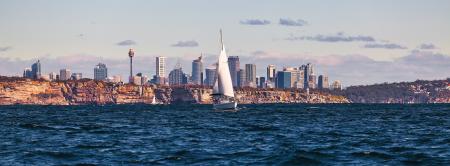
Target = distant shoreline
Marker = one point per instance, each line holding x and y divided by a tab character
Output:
86	92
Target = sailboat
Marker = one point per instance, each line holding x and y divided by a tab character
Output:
223	93
154	102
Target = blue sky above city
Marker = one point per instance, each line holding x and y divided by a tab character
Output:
355	41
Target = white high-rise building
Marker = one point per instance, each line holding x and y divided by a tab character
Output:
160	66
271	73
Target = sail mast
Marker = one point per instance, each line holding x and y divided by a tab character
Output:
221	39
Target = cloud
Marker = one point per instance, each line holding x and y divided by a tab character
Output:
254	22
427	46
290	22
126	43
4	49
339	37
188	43
390	46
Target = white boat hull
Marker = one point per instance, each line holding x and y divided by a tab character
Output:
225	106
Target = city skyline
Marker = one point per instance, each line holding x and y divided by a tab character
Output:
372	47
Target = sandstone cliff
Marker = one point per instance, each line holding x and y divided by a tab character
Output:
26	91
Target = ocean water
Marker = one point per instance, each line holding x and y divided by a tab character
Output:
272	134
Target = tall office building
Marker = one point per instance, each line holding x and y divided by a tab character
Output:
36	70
210	76
271	73
160	69
176	76
242	78
308	70
312	80
283	79
262	82
100	72
64	74
323	82
27	73
233	64
250	75
160	66
296	76
197	71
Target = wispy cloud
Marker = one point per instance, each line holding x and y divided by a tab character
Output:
254	22
427	46
291	22
4	49
339	37
188	43
126	43
390	46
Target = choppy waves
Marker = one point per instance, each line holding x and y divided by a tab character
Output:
196	135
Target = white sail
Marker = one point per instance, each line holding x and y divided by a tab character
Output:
224	82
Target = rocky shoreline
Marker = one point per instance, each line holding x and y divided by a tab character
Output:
80	92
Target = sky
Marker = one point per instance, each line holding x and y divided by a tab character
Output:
356	41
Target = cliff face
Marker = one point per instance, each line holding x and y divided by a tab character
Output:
72	93
25	91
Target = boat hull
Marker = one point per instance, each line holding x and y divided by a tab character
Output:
225	106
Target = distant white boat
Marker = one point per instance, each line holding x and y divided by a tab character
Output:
154	102
223	93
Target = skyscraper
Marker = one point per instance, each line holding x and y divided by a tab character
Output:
250	74
160	66
323	82
27	73
176	76
197	71
271	73
242	78
262	82
233	64
210	76
312	80
283	79
296	76
64	74
308	68
100	72
131	55
36	70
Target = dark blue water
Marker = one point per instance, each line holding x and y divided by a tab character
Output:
196	135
